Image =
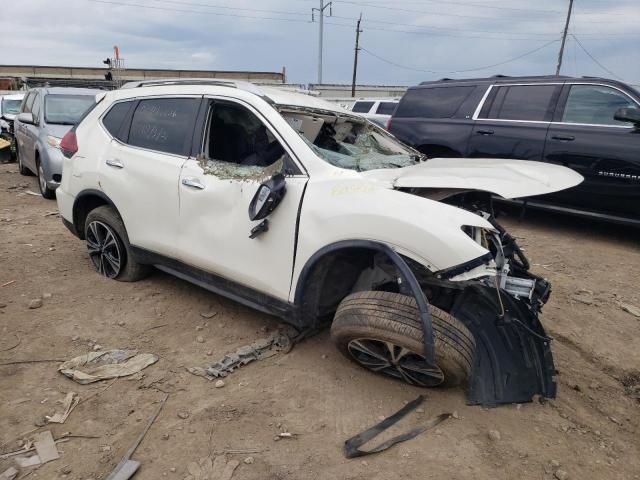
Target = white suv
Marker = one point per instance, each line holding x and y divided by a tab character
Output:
303	210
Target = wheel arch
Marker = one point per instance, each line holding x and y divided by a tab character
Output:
85	202
315	300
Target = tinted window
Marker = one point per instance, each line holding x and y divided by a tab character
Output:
595	104
386	108
523	102
114	118
362	107
439	102
66	109
164	124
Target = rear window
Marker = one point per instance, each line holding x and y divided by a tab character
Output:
113	120
66	109
386	108
164	124
438	102
362	107
522	102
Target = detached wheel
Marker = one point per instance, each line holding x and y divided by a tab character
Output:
382	332
109	248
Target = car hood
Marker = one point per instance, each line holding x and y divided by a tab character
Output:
507	178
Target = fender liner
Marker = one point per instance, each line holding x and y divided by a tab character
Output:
513	359
410	285
78	230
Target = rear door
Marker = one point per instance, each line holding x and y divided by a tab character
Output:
512	121
606	152
24	137
139	170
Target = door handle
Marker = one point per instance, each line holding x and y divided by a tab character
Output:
564	138
485	132
193	183
113	162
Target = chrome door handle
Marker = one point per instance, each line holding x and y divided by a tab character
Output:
112	162
193	183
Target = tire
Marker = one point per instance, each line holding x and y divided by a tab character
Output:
383	322
21	168
46	192
100	223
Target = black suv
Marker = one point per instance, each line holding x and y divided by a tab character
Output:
591	125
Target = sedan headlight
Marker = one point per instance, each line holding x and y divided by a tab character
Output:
53	141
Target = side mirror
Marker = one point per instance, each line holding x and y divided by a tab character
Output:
631	115
267	198
26	117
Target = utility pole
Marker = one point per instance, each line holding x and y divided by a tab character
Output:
355	56
321	32
564	38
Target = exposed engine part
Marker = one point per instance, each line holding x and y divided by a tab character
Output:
519	287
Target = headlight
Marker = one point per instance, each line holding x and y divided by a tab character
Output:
53	141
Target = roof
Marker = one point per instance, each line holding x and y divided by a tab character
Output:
68	91
498	79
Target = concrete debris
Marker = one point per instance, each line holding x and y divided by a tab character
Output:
207	468
96	366
561	474
248	460
26	462
70	402
183	415
35	303
9	474
582	299
208	314
45	447
243	355
494	435
219	384
632	309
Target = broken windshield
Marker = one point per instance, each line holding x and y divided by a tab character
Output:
350	142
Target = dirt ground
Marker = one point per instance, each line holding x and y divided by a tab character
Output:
590	431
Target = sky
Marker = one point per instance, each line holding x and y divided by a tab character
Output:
403	42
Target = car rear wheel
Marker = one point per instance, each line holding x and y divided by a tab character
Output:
382	332
42	183
109	248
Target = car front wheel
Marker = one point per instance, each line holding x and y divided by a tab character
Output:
109	248
382	332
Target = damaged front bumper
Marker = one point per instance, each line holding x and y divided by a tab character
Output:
499	301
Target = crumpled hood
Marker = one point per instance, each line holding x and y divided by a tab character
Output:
507	178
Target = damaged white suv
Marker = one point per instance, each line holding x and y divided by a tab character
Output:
303	210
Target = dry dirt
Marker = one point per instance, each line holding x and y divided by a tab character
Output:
591	429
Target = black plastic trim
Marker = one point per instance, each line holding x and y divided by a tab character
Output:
70	226
463	267
216	284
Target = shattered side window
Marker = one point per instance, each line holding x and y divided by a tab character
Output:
238	145
349	142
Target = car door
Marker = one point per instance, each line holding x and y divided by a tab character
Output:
238	151
512	121
139	169
605	151
23	136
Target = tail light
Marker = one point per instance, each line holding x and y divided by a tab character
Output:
69	144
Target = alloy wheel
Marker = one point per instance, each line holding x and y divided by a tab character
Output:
41	180
103	248
395	361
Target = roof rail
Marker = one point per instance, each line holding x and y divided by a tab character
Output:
222	82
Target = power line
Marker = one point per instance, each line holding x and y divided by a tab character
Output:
448	2
530	52
594	58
